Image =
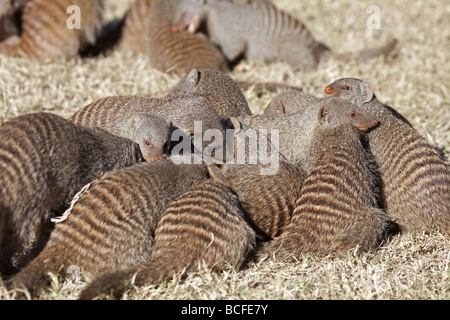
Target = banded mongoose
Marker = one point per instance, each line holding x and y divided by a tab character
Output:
134	32
10	16
50	33
175	52
204	227
256	29
288	102
416	177
338	207
218	88
295	130
45	160
111	225
188	112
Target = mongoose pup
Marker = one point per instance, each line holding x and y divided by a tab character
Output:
288	102
176	52
337	209
256	29
134	33
45	160
218	88
295	130
415	176
204	227
50	33
189	112
267	197
111	225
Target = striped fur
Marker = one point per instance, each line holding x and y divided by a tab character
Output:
416	177
202	227
288	102
45	35
178	52
44	161
134	32
182	111
218	88
337	208
111	226
268	200
256	29
296	129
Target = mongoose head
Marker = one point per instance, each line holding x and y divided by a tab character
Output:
333	112
189	15
152	133
352	90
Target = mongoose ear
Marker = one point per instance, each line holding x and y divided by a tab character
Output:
368	91
323	114
279	107
134	123
193	77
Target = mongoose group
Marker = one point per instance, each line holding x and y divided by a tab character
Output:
96	196
170	32
137	190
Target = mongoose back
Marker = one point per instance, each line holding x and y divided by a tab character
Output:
338	208
295	130
288	102
203	227
50	33
111	225
416	178
256	29
218	88
134	31
184	111
44	161
266	190
174	52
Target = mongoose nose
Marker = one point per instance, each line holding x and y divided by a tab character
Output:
328	90
375	122
174	29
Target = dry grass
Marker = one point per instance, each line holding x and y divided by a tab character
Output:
415	82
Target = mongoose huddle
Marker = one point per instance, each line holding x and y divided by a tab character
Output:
257	29
416	179
45	34
295	129
111	226
204	227
44	161
337	209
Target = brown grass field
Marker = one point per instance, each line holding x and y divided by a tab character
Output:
414	80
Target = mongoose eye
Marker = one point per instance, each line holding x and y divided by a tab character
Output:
345	87
148	144
354	114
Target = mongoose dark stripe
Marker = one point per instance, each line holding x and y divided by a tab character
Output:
44	161
258	30
134	35
329	216
218	88
164	45
416	177
45	35
111	224
295	129
210	230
